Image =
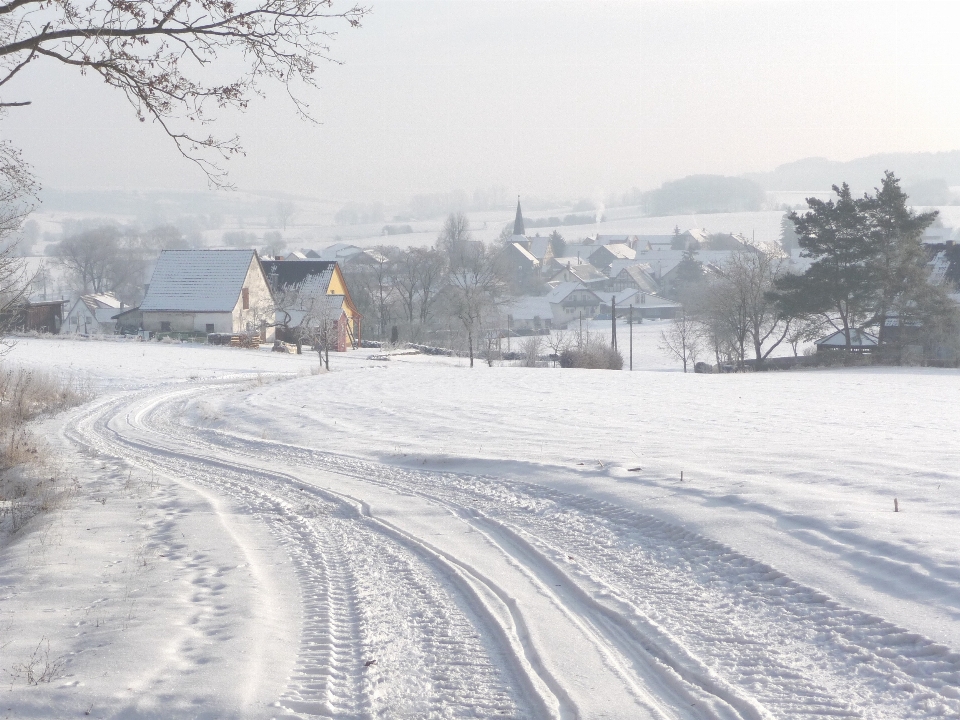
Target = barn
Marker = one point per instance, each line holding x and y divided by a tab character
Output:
209	291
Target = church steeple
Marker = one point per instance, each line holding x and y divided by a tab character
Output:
518	223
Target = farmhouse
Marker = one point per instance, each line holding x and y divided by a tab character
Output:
312	295
209	291
93	315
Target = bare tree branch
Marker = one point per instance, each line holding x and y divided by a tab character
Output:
159	54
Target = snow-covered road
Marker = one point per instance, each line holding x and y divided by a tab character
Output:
443	594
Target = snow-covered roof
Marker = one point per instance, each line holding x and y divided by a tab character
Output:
937	235
655	240
570	260
639	273
197	280
858	338
339	251
939	267
525	253
528	308
614	239
102	300
581	251
563	290
585	272
621	251
539	247
306	278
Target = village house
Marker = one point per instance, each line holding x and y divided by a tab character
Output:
571	302
308	295
584	273
529	315
209	291
633	277
645	305
605	255
93	315
520	262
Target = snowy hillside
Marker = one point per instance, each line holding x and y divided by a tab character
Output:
413	538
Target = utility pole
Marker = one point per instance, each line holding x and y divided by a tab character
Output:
613	322
631	337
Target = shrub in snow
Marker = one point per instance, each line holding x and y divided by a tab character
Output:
592	356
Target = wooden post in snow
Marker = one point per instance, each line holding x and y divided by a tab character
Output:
631	337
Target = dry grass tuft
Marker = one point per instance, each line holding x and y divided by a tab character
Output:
29	483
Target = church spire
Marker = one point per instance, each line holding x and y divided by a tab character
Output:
518	223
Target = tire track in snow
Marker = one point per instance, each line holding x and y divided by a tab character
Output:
744	625
446	668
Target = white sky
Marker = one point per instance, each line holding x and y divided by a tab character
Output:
572	99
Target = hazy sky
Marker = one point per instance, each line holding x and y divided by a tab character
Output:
574	99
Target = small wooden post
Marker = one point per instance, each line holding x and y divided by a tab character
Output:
681	476
631	336
896	505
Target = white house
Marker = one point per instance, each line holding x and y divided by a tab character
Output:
571	301
93	315
209	291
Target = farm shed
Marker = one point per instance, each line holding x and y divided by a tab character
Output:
860	341
37	315
209	291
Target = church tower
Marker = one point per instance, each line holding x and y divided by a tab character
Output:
518	223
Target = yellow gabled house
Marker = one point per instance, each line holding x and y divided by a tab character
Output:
309	293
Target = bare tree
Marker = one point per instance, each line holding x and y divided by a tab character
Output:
558	340
752	276
805	328
682	340
158	53
406	281
455	235
17	199
476	287
285	212
432	276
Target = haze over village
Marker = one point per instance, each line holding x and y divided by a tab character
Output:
474	359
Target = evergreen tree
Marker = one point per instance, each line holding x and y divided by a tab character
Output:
788	234
840	285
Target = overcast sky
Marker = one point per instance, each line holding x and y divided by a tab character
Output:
564	99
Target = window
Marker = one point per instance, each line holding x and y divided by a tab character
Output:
246	298
164	326
210	327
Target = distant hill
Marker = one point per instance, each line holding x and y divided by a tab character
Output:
863	174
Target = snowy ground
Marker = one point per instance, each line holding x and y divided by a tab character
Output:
413	538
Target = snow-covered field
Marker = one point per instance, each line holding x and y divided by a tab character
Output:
414	538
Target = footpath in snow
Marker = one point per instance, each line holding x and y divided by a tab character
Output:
415	539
